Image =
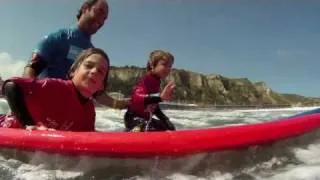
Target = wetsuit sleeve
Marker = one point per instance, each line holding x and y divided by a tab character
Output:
162	117
152	99
143	98
14	95
139	93
144	93
45	51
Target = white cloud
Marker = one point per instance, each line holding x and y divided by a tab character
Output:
10	67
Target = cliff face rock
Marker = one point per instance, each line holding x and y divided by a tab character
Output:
269	96
192	87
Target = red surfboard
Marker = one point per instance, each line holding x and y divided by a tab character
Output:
152	144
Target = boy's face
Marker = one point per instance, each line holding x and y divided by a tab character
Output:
163	68
89	77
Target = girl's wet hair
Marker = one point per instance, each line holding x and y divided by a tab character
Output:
156	56
84	55
87	3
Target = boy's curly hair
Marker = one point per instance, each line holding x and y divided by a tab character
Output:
157	55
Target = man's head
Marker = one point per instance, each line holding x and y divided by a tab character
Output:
92	15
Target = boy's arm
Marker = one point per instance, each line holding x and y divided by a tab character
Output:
107	100
152	99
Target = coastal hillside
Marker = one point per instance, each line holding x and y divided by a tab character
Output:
209	89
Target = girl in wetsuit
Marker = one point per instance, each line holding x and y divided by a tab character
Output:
146	96
55	103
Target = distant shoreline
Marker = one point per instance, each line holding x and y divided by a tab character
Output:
219	107
180	106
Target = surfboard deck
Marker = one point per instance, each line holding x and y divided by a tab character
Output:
152	144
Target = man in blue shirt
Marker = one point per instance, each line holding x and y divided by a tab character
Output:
57	51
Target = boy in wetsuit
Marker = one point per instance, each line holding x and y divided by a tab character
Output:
146	96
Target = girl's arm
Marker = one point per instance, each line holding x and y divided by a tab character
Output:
159	97
15	98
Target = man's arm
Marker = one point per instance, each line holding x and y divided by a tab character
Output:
46	50
106	100
35	66
28	72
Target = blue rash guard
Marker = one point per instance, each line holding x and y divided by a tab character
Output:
60	49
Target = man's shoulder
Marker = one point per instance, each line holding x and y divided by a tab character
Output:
70	33
58	34
63	32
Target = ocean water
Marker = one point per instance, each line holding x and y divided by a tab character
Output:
292	159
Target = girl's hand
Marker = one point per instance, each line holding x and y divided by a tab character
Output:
40	128
166	93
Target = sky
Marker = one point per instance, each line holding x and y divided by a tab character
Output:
275	41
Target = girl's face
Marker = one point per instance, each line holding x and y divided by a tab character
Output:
88	78
163	68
